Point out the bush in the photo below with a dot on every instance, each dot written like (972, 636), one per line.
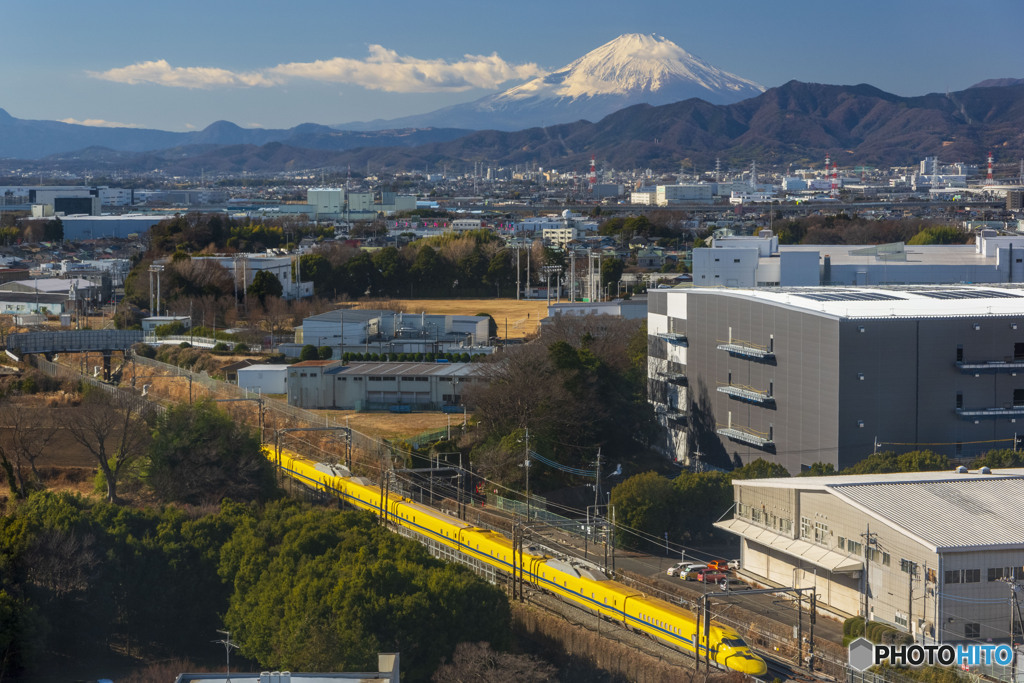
(220, 347)
(144, 350)
(170, 329)
(309, 352)
(241, 347)
(325, 352)
(184, 345)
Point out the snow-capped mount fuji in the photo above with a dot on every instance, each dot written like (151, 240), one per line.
(631, 69)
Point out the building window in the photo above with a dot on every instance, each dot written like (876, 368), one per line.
(805, 528)
(1018, 398)
(996, 573)
(959, 399)
(755, 515)
(952, 576)
(959, 353)
(972, 630)
(854, 547)
(820, 532)
(841, 544)
(886, 559)
(972, 576)
(901, 619)
(786, 526)
(908, 567)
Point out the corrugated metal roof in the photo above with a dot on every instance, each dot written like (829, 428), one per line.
(412, 369)
(966, 513)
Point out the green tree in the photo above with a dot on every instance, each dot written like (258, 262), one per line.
(317, 269)
(309, 352)
(939, 234)
(264, 284)
(819, 469)
(53, 230)
(647, 502)
(760, 469)
(287, 610)
(888, 461)
(1000, 457)
(611, 271)
(199, 454)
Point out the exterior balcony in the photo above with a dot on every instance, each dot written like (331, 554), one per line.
(747, 350)
(1013, 365)
(752, 438)
(740, 393)
(673, 338)
(990, 413)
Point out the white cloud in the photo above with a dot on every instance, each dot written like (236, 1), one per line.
(100, 123)
(383, 69)
(159, 72)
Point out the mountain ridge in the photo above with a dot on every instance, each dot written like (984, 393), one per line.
(794, 123)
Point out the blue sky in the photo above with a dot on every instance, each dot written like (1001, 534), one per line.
(186, 64)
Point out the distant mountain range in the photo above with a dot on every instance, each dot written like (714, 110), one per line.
(631, 69)
(28, 139)
(794, 123)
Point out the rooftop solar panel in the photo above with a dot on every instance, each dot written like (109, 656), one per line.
(847, 295)
(966, 294)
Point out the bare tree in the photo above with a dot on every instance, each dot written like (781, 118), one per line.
(26, 439)
(113, 429)
(478, 662)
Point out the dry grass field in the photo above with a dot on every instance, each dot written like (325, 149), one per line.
(522, 317)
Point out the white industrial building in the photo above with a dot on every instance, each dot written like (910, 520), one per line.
(930, 553)
(666, 195)
(264, 378)
(759, 261)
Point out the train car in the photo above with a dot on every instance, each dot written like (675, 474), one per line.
(585, 586)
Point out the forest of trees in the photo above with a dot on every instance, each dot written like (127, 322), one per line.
(300, 588)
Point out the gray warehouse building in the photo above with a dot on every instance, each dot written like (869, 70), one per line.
(931, 553)
(827, 374)
(380, 386)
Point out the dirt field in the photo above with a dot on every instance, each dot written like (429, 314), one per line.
(522, 317)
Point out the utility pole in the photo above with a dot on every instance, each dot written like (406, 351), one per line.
(526, 464)
(228, 647)
(869, 540)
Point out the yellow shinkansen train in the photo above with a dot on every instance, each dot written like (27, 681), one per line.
(590, 589)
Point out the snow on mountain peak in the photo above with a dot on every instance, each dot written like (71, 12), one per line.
(633, 65)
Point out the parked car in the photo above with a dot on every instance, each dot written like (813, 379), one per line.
(719, 565)
(734, 585)
(710, 576)
(675, 569)
(690, 572)
(734, 565)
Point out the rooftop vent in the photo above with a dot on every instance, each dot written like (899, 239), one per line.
(985, 470)
(961, 470)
